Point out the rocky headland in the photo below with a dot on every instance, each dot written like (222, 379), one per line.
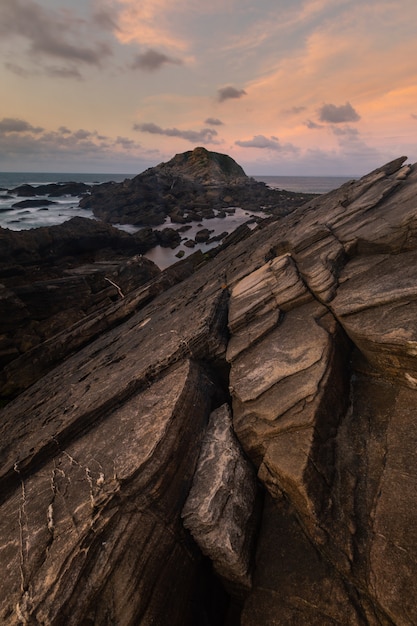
(192, 186)
(232, 441)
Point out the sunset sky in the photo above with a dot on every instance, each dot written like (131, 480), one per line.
(300, 87)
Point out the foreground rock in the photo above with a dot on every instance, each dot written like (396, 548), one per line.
(52, 278)
(306, 331)
(220, 509)
(192, 186)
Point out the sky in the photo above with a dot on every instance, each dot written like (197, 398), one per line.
(300, 87)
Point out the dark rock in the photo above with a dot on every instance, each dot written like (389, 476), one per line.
(191, 186)
(52, 189)
(55, 277)
(24, 204)
(218, 237)
(168, 237)
(78, 238)
(203, 235)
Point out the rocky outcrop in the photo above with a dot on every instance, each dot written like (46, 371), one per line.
(301, 337)
(192, 186)
(54, 190)
(52, 278)
(23, 204)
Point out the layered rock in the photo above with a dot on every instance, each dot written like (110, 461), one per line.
(105, 515)
(220, 510)
(52, 278)
(306, 329)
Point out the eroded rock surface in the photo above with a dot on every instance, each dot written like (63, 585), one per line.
(220, 511)
(306, 328)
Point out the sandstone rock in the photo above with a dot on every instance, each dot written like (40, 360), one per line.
(73, 548)
(220, 508)
(293, 583)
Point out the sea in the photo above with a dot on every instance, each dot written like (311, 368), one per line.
(66, 207)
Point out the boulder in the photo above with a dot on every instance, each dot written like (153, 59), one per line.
(203, 235)
(220, 510)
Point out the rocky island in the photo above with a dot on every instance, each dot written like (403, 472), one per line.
(230, 441)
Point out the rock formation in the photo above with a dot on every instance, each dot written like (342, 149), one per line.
(128, 498)
(194, 185)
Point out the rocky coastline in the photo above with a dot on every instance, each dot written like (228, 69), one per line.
(229, 441)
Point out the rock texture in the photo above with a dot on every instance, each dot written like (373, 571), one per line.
(219, 511)
(306, 329)
(52, 278)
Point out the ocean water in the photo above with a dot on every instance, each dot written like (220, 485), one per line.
(65, 207)
(304, 184)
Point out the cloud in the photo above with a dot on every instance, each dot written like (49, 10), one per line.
(414, 116)
(149, 21)
(63, 72)
(338, 114)
(213, 121)
(106, 18)
(265, 143)
(206, 135)
(227, 93)
(23, 143)
(313, 125)
(82, 134)
(294, 110)
(347, 131)
(152, 60)
(126, 143)
(17, 69)
(56, 34)
(16, 125)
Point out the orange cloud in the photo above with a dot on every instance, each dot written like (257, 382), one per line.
(147, 23)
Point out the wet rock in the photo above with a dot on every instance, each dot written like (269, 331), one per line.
(25, 204)
(52, 189)
(168, 237)
(203, 235)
